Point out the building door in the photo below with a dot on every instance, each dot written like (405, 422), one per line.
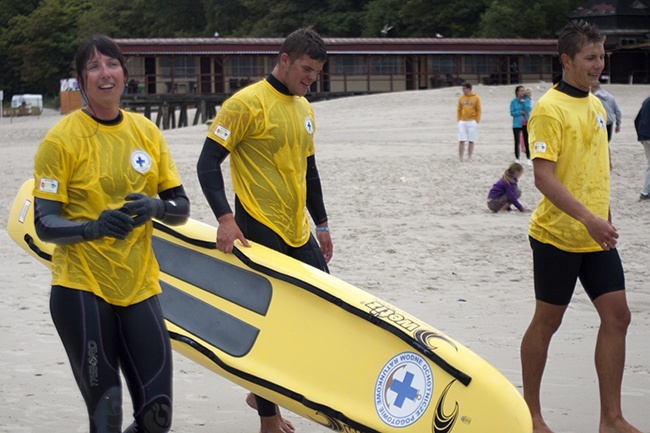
(150, 75)
(411, 73)
(205, 88)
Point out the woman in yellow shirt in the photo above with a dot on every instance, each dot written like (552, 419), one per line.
(98, 175)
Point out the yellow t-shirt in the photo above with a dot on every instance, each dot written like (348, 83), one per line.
(571, 132)
(90, 167)
(269, 136)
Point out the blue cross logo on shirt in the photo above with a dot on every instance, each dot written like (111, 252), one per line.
(140, 161)
(309, 125)
(404, 389)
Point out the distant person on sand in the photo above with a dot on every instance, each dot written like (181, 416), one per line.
(468, 116)
(570, 231)
(505, 192)
(529, 94)
(614, 116)
(642, 126)
(520, 108)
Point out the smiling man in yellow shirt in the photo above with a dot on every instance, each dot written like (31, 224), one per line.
(570, 232)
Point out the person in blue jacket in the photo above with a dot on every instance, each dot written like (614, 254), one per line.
(520, 108)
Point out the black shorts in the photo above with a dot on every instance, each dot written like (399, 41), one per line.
(255, 231)
(556, 272)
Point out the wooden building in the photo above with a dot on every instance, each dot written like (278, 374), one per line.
(220, 66)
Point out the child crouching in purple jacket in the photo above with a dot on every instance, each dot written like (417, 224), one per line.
(505, 192)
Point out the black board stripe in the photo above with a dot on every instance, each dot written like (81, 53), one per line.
(223, 331)
(238, 285)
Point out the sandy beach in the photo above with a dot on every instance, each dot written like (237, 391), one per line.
(409, 224)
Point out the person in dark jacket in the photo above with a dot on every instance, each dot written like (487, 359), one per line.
(642, 125)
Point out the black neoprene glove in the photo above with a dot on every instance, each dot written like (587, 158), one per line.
(142, 208)
(111, 223)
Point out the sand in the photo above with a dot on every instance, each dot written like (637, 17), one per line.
(409, 225)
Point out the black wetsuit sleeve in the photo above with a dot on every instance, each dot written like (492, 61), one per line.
(52, 227)
(177, 206)
(315, 202)
(208, 169)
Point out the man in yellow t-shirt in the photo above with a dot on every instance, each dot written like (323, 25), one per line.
(267, 129)
(570, 232)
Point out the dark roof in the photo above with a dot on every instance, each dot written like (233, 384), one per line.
(271, 46)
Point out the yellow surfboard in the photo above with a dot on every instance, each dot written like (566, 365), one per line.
(310, 342)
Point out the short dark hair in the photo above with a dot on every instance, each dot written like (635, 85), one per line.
(467, 85)
(304, 41)
(575, 35)
(102, 44)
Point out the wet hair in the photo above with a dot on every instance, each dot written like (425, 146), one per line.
(101, 44)
(302, 42)
(575, 35)
(517, 90)
(509, 174)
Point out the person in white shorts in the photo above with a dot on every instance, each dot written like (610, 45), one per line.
(468, 116)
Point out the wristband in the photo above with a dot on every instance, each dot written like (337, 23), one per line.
(322, 229)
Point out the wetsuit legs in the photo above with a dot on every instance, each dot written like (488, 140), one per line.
(100, 339)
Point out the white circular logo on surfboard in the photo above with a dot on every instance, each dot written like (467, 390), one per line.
(403, 390)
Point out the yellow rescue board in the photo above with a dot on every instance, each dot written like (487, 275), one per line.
(311, 342)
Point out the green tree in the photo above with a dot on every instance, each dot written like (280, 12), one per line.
(223, 17)
(278, 18)
(381, 19)
(12, 8)
(42, 45)
(337, 18)
(12, 13)
(525, 19)
(426, 18)
(138, 19)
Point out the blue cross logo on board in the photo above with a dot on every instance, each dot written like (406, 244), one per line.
(403, 389)
(140, 161)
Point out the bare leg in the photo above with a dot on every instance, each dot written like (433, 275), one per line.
(470, 150)
(534, 352)
(271, 424)
(610, 360)
(461, 150)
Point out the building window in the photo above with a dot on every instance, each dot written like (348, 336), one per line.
(183, 67)
(477, 64)
(349, 65)
(387, 65)
(536, 64)
(442, 64)
(244, 66)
